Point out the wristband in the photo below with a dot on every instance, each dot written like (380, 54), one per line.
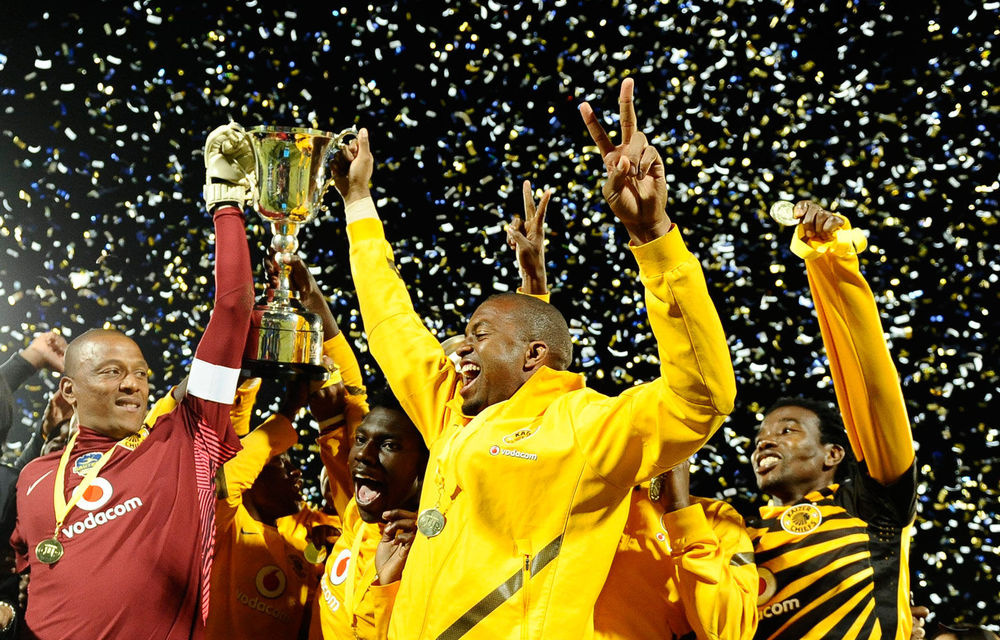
(337, 419)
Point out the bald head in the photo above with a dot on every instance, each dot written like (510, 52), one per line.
(539, 320)
(83, 344)
(106, 381)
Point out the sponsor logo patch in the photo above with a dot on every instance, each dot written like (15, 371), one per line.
(766, 586)
(96, 518)
(517, 436)
(85, 463)
(263, 607)
(96, 495)
(802, 518)
(338, 570)
(270, 581)
(512, 453)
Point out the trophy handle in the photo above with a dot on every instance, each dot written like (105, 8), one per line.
(251, 178)
(338, 140)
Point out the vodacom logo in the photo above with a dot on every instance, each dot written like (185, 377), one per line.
(270, 581)
(94, 499)
(96, 495)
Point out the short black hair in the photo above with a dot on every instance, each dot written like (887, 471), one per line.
(540, 320)
(382, 397)
(831, 428)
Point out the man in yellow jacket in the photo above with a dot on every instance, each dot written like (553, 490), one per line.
(526, 489)
(386, 460)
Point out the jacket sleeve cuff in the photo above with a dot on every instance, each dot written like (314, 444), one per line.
(360, 210)
(661, 255)
(339, 350)
(544, 297)
(686, 526)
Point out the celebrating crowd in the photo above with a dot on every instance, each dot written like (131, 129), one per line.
(486, 491)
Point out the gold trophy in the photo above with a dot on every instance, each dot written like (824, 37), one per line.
(292, 175)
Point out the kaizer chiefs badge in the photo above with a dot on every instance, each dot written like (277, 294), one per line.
(802, 518)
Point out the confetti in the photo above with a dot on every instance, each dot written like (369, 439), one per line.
(105, 112)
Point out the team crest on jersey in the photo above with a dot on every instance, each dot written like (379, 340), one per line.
(85, 463)
(520, 434)
(338, 570)
(767, 585)
(271, 581)
(96, 495)
(135, 439)
(802, 518)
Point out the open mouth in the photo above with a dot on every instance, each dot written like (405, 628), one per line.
(766, 462)
(470, 373)
(367, 491)
(128, 404)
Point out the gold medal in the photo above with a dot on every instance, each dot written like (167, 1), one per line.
(655, 488)
(430, 522)
(783, 212)
(49, 551)
(313, 554)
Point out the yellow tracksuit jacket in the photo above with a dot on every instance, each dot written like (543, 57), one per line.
(349, 603)
(535, 489)
(686, 572)
(261, 584)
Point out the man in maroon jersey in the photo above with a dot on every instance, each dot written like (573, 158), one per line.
(128, 554)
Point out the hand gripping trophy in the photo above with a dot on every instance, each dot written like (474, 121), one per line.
(285, 173)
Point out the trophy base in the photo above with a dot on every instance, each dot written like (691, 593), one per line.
(284, 371)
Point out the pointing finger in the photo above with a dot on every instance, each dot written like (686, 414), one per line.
(597, 132)
(529, 200)
(627, 110)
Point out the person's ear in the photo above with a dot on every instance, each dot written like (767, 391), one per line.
(834, 455)
(535, 355)
(66, 388)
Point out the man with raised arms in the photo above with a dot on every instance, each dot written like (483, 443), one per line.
(832, 546)
(525, 494)
(117, 529)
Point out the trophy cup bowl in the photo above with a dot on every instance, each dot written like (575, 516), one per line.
(291, 177)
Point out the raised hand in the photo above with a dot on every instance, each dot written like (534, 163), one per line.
(636, 186)
(229, 161)
(817, 222)
(352, 169)
(46, 351)
(394, 547)
(527, 238)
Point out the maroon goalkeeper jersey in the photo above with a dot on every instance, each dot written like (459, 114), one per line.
(132, 566)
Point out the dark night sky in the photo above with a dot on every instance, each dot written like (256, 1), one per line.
(886, 112)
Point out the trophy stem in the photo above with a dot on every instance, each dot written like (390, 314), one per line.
(284, 243)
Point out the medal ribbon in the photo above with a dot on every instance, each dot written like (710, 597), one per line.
(62, 508)
(366, 578)
(443, 457)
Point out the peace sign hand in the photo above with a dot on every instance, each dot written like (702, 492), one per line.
(636, 186)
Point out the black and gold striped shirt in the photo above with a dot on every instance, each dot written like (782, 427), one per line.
(835, 564)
